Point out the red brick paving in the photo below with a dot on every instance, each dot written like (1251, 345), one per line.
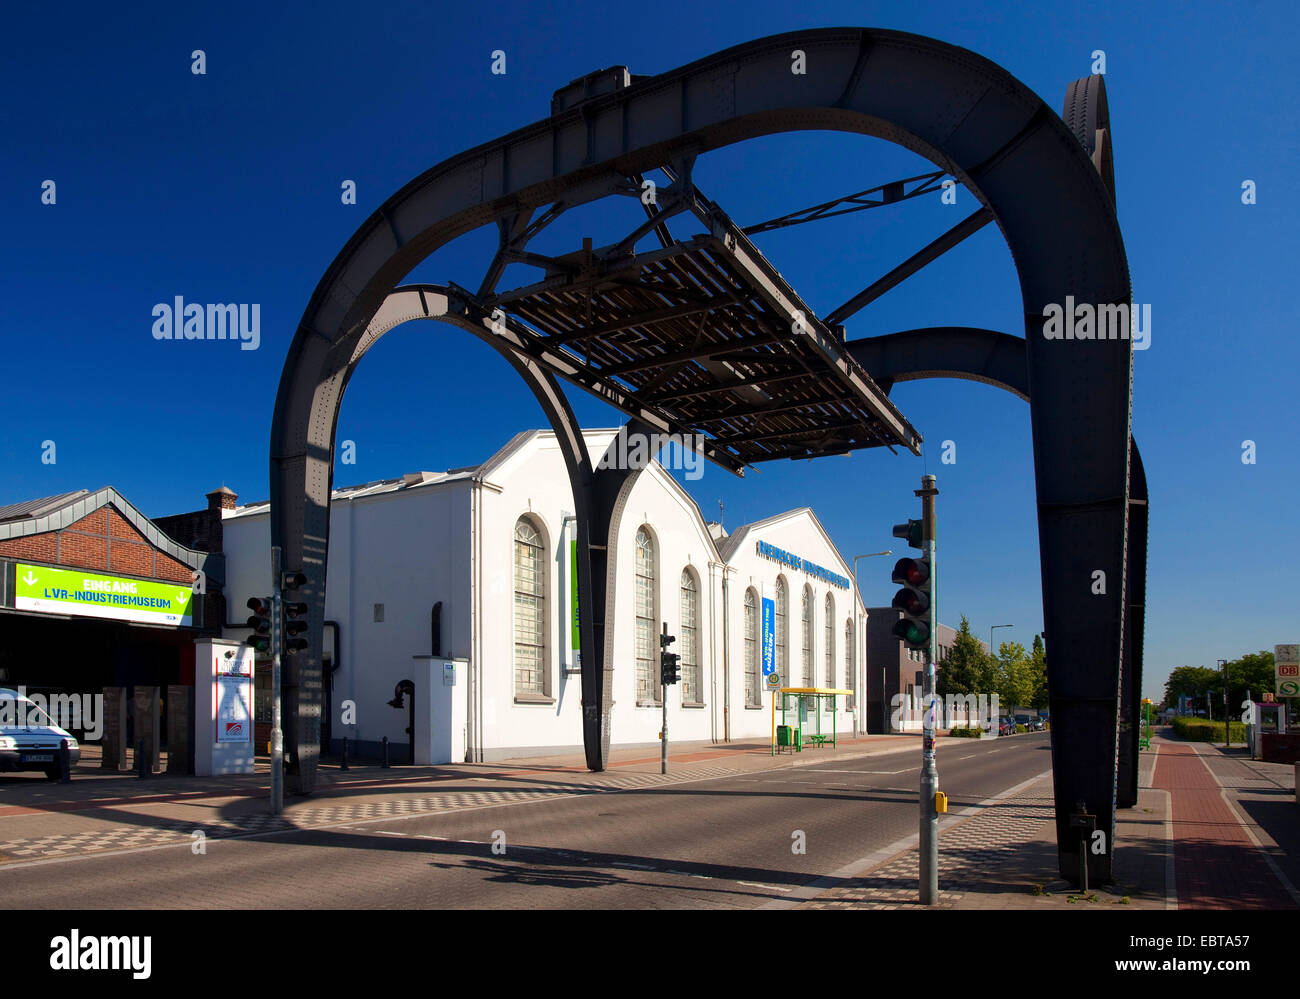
(1215, 863)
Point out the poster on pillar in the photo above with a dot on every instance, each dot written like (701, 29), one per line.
(573, 655)
(223, 706)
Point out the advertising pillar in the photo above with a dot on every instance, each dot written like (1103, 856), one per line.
(223, 707)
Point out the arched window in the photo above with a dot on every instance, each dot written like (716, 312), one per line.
(689, 640)
(830, 649)
(850, 664)
(782, 641)
(531, 674)
(647, 640)
(753, 668)
(809, 667)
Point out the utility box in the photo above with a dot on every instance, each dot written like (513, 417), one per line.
(441, 710)
(223, 707)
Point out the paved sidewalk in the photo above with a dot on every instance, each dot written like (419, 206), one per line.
(1221, 862)
(1189, 843)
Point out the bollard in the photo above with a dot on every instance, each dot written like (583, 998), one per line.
(344, 764)
(1080, 819)
(142, 767)
(385, 764)
(65, 763)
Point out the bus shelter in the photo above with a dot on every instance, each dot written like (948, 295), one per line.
(792, 736)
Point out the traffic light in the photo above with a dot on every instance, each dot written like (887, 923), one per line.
(295, 612)
(669, 668)
(911, 533)
(913, 600)
(260, 622)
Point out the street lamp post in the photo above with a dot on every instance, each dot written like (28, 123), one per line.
(1227, 722)
(859, 715)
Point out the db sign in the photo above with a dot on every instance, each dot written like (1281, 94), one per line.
(1286, 660)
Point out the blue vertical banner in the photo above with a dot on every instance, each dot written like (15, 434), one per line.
(769, 637)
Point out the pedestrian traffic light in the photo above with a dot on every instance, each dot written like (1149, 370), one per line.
(295, 612)
(669, 668)
(911, 533)
(913, 600)
(260, 623)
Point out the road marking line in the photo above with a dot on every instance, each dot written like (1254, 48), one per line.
(635, 867)
(817, 886)
(753, 884)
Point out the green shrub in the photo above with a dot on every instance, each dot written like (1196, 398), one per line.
(1203, 730)
(966, 733)
(1021, 728)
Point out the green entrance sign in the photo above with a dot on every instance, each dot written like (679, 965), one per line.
(87, 594)
(575, 640)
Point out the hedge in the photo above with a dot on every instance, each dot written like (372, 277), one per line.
(1203, 730)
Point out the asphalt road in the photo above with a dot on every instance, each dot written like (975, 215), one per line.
(726, 842)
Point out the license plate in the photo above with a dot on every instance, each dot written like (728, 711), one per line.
(38, 757)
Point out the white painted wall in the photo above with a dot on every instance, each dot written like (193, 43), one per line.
(453, 541)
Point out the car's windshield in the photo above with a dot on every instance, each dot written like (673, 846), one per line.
(22, 713)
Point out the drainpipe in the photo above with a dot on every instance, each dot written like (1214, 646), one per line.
(713, 661)
(471, 679)
(726, 657)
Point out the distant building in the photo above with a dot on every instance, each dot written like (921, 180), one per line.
(893, 668)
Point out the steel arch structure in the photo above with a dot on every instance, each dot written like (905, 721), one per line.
(965, 114)
(999, 360)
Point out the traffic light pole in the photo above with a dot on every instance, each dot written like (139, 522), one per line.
(277, 736)
(929, 770)
(663, 701)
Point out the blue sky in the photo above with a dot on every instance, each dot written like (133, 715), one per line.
(225, 187)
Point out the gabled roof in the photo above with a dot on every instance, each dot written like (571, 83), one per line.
(732, 544)
(742, 534)
(57, 512)
(37, 507)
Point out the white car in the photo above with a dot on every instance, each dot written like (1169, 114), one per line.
(29, 739)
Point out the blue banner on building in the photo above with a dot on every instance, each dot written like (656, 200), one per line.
(769, 636)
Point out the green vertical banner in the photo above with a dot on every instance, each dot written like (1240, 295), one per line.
(575, 640)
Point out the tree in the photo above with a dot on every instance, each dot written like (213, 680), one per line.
(1190, 681)
(965, 669)
(1038, 673)
(1014, 676)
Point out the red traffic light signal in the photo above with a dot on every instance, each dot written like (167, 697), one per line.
(260, 623)
(911, 572)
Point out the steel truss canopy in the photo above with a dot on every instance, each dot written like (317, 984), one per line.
(702, 334)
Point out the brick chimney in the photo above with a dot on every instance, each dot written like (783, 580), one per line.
(222, 499)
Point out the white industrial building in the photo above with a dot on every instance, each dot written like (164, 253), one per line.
(491, 545)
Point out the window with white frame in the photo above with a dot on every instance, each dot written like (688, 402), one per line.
(647, 639)
(530, 610)
(850, 664)
(689, 640)
(806, 657)
(830, 649)
(753, 669)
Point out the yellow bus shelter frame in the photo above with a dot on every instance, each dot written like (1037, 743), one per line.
(801, 692)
